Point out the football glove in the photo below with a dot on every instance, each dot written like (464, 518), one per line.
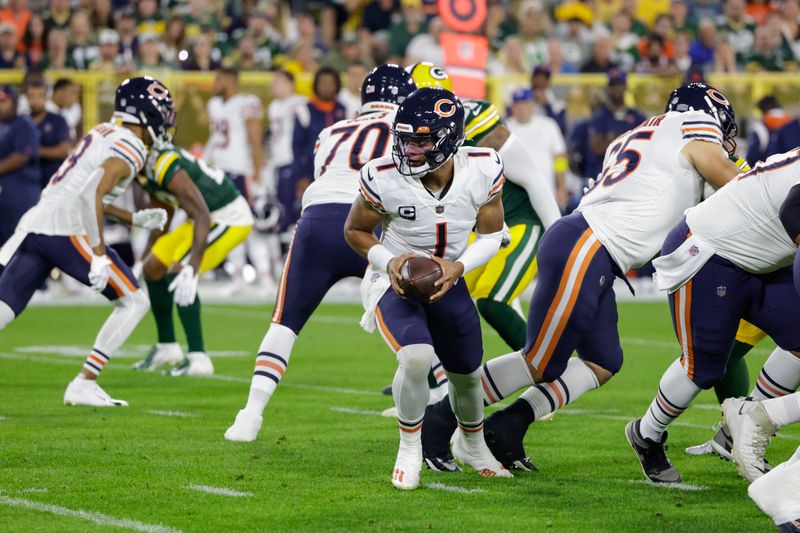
(154, 218)
(99, 272)
(184, 286)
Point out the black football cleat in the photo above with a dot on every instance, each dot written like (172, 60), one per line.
(443, 463)
(438, 426)
(790, 527)
(652, 455)
(387, 390)
(504, 435)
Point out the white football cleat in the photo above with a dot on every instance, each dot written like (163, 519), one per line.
(82, 391)
(473, 451)
(751, 429)
(408, 466)
(777, 493)
(245, 428)
(162, 354)
(195, 364)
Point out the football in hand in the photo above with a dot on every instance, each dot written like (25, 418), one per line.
(417, 275)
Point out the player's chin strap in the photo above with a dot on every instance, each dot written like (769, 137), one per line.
(481, 251)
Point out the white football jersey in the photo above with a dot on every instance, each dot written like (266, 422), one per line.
(646, 185)
(227, 146)
(741, 220)
(342, 149)
(418, 221)
(281, 115)
(65, 200)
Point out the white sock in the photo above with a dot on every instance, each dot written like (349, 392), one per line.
(504, 375)
(779, 376)
(410, 389)
(271, 363)
(783, 410)
(466, 400)
(128, 312)
(576, 380)
(675, 392)
(6, 315)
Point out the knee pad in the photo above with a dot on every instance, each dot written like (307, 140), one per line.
(6, 314)
(137, 302)
(416, 358)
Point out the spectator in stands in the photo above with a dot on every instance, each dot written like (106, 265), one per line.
(702, 49)
(682, 59)
(10, 57)
(246, 56)
(546, 99)
(108, 59)
(510, 59)
(34, 42)
(544, 140)
(149, 18)
(150, 53)
(655, 60)
(125, 24)
(574, 31)
(54, 140)
(625, 51)
(200, 16)
(769, 53)
(322, 111)
(302, 59)
(309, 32)
(663, 29)
(19, 163)
(612, 119)
(764, 131)
(58, 15)
(201, 57)
(56, 56)
(425, 46)
(601, 57)
(17, 14)
(555, 58)
(630, 8)
(102, 15)
(348, 52)
(267, 37)
(789, 11)
(174, 40)
(350, 95)
(534, 29)
(681, 20)
(411, 23)
(725, 57)
(738, 28)
(378, 15)
(82, 51)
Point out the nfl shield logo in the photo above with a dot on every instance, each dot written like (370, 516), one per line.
(375, 277)
(722, 291)
(439, 209)
(693, 251)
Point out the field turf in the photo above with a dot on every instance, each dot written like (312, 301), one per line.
(323, 458)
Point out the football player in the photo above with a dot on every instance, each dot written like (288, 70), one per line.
(319, 256)
(65, 229)
(428, 195)
(220, 220)
(651, 175)
(729, 259)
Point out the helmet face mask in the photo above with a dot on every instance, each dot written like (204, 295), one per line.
(428, 130)
(705, 98)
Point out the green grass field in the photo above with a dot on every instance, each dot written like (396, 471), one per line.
(324, 457)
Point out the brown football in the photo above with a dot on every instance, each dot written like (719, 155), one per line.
(417, 275)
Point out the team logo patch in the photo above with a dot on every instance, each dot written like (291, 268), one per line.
(717, 96)
(722, 291)
(445, 108)
(408, 212)
(694, 250)
(157, 91)
(437, 73)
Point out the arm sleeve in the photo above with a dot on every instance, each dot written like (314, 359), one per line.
(523, 170)
(790, 212)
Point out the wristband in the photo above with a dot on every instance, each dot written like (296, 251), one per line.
(379, 257)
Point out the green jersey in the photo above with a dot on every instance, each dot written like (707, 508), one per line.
(481, 118)
(216, 188)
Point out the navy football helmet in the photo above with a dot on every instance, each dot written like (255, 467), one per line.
(433, 114)
(146, 101)
(705, 98)
(386, 84)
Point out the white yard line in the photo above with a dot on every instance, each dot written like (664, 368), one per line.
(220, 491)
(671, 486)
(179, 414)
(34, 490)
(97, 518)
(452, 488)
(352, 411)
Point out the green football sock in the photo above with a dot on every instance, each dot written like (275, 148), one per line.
(161, 304)
(190, 319)
(736, 381)
(505, 321)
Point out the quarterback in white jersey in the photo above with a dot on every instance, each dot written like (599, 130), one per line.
(729, 260)
(65, 229)
(235, 142)
(319, 256)
(428, 195)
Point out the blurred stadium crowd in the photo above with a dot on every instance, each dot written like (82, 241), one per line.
(336, 42)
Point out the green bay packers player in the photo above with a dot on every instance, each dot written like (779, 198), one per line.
(219, 220)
